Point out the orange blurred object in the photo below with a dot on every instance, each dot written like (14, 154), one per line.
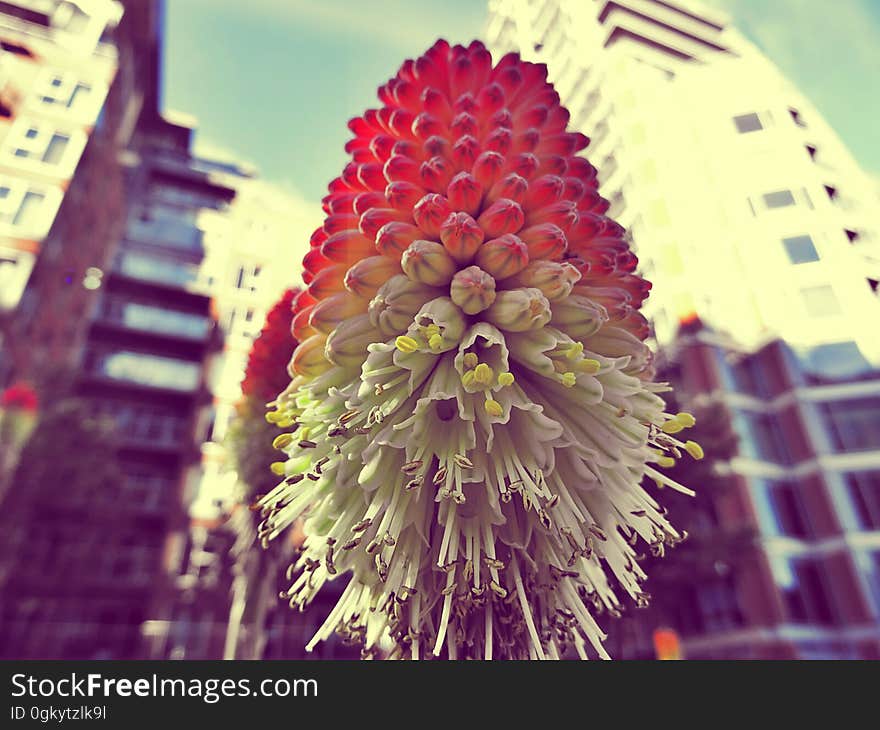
(667, 645)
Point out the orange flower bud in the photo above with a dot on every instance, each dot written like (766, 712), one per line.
(502, 257)
(472, 289)
(428, 262)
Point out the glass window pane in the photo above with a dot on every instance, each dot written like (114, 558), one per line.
(55, 149)
(800, 249)
(820, 301)
(747, 123)
(28, 213)
(779, 199)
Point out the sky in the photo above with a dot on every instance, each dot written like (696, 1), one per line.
(274, 82)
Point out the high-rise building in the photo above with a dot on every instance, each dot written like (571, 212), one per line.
(116, 302)
(738, 195)
(745, 209)
(252, 254)
(57, 66)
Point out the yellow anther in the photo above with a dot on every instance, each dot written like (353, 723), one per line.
(666, 461)
(483, 374)
(588, 366)
(505, 379)
(282, 440)
(285, 422)
(435, 341)
(467, 380)
(304, 433)
(493, 408)
(277, 468)
(406, 344)
(686, 419)
(568, 379)
(430, 330)
(575, 350)
(470, 360)
(694, 449)
(672, 426)
(274, 416)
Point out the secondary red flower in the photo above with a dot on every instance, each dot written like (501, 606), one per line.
(266, 372)
(19, 396)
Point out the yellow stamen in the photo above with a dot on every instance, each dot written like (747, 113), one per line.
(575, 351)
(285, 422)
(671, 426)
(568, 379)
(435, 341)
(406, 344)
(666, 461)
(471, 360)
(277, 468)
(430, 330)
(493, 408)
(274, 416)
(686, 419)
(483, 374)
(588, 366)
(694, 449)
(282, 440)
(505, 379)
(467, 380)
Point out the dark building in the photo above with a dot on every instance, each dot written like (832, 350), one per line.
(114, 314)
(784, 560)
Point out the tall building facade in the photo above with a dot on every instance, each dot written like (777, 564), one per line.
(116, 308)
(58, 63)
(745, 209)
(252, 254)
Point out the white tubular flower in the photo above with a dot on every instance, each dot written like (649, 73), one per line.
(471, 416)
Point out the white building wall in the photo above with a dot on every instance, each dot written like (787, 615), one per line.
(54, 78)
(253, 252)
(659, 106)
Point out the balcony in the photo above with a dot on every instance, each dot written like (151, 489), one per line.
(119, 312)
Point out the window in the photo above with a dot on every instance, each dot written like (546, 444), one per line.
(853, 425)
(835, 360)
(709, 606)
(40, 144)
(800, 249)
(760, 437)
(778, 199)
(63, 91)
(143, 369)
(863, 488)
(154, 319)
(788, 510)
(820, 301)
(805, 592)
(747, 123)
(247, 277)
(159, 270)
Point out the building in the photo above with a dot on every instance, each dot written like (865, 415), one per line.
(747, 210)
(252, 255)
(115, 313)
(58, 71)
(714, 162)
(226, 603)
